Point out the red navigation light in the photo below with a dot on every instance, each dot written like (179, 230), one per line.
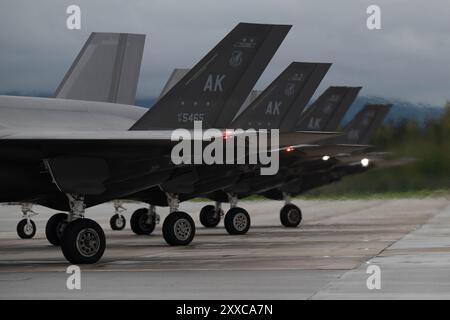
(289, 149)
(227, 133)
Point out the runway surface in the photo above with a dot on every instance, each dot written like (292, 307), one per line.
(326, 258)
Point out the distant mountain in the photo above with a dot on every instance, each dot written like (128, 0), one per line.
(145, 102)
(400, 109)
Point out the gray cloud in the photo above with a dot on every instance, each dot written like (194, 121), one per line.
(408, 59)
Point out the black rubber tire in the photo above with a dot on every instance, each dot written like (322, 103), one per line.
(290, 216)
(115, 223)
(233, 226)
(178, 229)
(208, 216)
(83, 241)
(54, 228)
(139, 222)
(22, 230)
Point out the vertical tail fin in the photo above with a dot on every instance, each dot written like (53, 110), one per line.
(215, 88)
(327, 111)
(290, 89)
(362, 127)
(311, 82)
(106, 69)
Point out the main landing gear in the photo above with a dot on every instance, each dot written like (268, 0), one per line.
(237, 220)
(26, 228)
(143, 220)
(82, 240)
(210, 215)
(290, 214)
(118, 221)
(178, 227)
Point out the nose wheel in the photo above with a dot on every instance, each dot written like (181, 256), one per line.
(26, 229)
(117, 222)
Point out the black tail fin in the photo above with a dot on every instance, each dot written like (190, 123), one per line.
(361, 128)
(106, 69)
(286, 91)
(326, 113)
(310, 83)
(215, 88)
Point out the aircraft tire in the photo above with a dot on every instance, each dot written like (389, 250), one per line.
(117, 222)
(209, 218)
(26, 230)
(290, 216)
(140, 223)
(178, 229)
(237, 221)
(83, 241)
(55, 227)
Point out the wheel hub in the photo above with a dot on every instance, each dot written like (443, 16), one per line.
(88, 242)
(182, 229)
(293, 216)
(145, 222)
(28, 229)
(119, 221)
(240, 221)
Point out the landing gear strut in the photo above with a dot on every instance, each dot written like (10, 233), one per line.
(290, 214)
(118, 221)
(26, 228)
(178, 227)
(237, 220)
(83, 240)
(143, 220)
(210, 215)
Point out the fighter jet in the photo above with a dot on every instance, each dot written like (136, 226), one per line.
(65, 168)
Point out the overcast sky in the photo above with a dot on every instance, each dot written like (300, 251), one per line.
(408, 59)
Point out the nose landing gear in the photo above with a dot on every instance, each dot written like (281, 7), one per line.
(118, 220)
(26, 228)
